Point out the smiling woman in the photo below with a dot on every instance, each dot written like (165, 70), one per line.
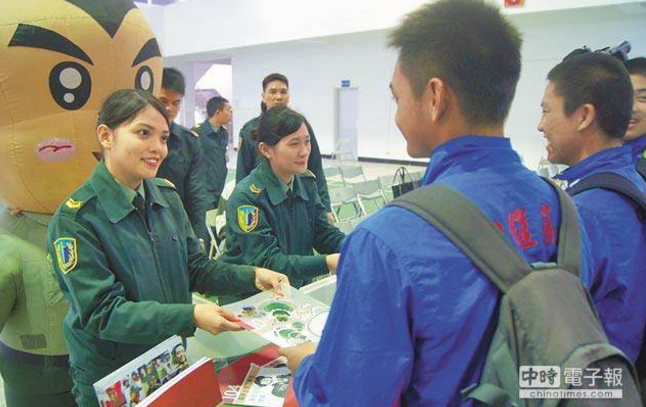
(127, 256)
(275, 216)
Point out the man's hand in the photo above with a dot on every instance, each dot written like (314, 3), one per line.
(330, 218)
(214, 319)
(295, 354)
(270, 280)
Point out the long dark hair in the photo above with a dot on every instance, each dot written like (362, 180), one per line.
(123, 105)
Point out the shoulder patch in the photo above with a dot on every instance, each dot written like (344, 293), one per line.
(248, 217)
(253, 188)
(66, 253)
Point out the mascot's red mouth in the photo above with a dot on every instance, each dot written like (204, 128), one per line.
(55, 149)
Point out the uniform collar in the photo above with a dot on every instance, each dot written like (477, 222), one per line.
(213, 127)
(614, 159)
(114, 199)
(638, 146)
(469, 153)
(276, 188)
(175, 129)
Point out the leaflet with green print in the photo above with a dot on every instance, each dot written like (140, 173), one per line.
(286, 321)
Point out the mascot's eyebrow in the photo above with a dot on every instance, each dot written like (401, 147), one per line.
(37, 37)
(108, 13)
(149, 50)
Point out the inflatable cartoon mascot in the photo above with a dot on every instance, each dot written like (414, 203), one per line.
(59, 59)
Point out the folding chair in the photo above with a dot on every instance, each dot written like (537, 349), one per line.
(350, 174)
(211, 227)
(333, 177)
(342, 198)
(370, 191)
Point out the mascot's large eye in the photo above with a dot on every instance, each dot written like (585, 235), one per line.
(70, 85)
(144, 79)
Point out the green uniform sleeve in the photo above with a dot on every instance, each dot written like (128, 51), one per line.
(10, 270)
(315, 164)
(215, 277)
(197, 197)
(327, 238)
(98, 298)
(260, 247)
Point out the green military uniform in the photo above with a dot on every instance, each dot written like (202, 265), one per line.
(270, 225)
(184, 167)
(248, 158)
(33, 355)
(129, 284)
(214, 148)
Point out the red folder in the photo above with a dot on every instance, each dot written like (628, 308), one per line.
(196, 386)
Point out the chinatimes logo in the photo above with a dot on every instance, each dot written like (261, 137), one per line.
(552, 382)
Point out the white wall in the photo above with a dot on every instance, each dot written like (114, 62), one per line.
(315, 67)
(199, 26)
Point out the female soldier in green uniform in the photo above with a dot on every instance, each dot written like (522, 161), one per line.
(275, 216)
(126, 255)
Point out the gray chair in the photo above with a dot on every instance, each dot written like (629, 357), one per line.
(370, 191)
(352, 175)
(344, 197)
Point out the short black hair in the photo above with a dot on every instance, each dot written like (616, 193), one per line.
(123, 105)
(214, 104)
(277, 123)
(173, 81)
(636, 66)
(274, 77)
(600, 80)
(471, 46)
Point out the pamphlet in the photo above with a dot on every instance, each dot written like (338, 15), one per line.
(287, 321)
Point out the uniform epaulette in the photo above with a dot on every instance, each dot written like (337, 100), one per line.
(163, 182)
(76, 201)
(256, 190)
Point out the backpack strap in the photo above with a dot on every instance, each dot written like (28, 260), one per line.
(470, 230)
(569, 246)
(641, 167)
(613, 182)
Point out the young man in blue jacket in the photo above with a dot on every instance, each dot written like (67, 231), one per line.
(413, 318)
(636, 134)
(586, 110)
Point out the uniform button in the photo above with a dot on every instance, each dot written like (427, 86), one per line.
(175, 237)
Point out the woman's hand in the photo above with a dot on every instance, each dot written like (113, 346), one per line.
(332, 261)
(270, 280)
(214, 319)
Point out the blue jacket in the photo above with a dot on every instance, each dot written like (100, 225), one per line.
(613, 221)
(638, 147)
(412, 314)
